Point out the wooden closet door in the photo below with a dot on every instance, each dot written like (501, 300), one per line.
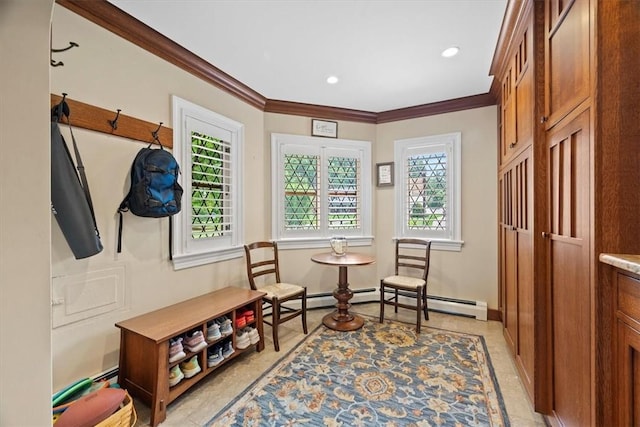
(525, 350)
(508, 260)
(570, 290)
(516, 257)
(567, 57)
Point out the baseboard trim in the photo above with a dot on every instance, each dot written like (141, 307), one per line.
(473, 309)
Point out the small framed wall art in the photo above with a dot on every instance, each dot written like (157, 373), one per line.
(384, 174)
(325, 128)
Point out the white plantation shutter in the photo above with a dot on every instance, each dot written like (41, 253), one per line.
(344, 189)
(428, 194)
(320, 188)
(211, 198)
(210, 147)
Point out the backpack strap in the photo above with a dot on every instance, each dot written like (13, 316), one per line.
(120, 232)
(170, 239)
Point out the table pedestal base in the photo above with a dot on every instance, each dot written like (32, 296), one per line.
(340, 323)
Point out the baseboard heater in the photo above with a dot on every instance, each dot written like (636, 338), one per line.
(110, 375)
(460, 307)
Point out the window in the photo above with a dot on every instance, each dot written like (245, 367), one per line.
(428, 189)
(209, 149)
(321, 188)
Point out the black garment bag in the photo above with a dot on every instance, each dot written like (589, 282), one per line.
(70, 198)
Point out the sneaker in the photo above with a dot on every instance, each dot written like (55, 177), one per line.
(248, 315)
(223, 320)
(195, 342)
(175, 376)
(219, 349)
(213, 331)
(228, 349)
(254, 336)
(214, 356)
(225, 325)
(241, 321)
(176, 352)
(190, 367)
(242, 339)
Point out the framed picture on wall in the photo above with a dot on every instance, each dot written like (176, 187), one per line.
(384, 174)
(325, 128)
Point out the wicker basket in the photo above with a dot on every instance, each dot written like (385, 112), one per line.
(124, 417)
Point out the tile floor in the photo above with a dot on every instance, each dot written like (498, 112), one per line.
(204, 400)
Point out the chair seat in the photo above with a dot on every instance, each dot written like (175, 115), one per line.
(405, 282)
(281, 290)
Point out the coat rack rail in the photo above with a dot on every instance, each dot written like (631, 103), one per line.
(99, 119)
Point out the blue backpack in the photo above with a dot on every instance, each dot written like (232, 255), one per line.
(154, 190)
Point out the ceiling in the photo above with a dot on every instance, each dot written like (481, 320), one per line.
(386, 53)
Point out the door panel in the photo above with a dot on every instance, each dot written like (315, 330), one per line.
(524, 272)
(516, 243)
(509, 254)
(628, 375)
(567, 57)
(569, 266)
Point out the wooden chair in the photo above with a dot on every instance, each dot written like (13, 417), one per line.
(262, 260)
(414, 285)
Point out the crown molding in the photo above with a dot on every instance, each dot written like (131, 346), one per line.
(449, 106)
(319, 111)
(111, 18)
(512, 23)
(108, 16)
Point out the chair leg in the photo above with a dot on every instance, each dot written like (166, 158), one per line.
(381, 302)
(395, 300)
(424, 301)
(304, 312)
(275, 314)
(418, 309)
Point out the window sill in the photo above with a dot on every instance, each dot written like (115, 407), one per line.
(323, 242)
(183, 261)
(447, 245)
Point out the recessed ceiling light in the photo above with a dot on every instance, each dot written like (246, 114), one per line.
(452, 51)
(332, 80)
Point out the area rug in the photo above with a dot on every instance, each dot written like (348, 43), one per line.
(381, 375)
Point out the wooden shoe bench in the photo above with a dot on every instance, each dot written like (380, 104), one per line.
(144, 344)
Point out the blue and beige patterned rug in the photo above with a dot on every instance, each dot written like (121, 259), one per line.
(381, 375)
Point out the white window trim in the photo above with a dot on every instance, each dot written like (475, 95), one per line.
(453, 143)
(185, 255)
(363, 237)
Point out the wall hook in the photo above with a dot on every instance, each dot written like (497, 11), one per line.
(61, 109)
(155, 132)
(60, 63)
(114, 122)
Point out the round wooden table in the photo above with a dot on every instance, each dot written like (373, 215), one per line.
(342, 320)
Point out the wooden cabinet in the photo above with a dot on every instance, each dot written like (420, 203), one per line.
(567, 57)
(570, 287)
(627, 375)
(517, 103)
(584, 93)
(144, 344)
(517, 178)
(516, 250)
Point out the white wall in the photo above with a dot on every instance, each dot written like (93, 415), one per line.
(111, 73)
(25, 327)
(471, 274)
